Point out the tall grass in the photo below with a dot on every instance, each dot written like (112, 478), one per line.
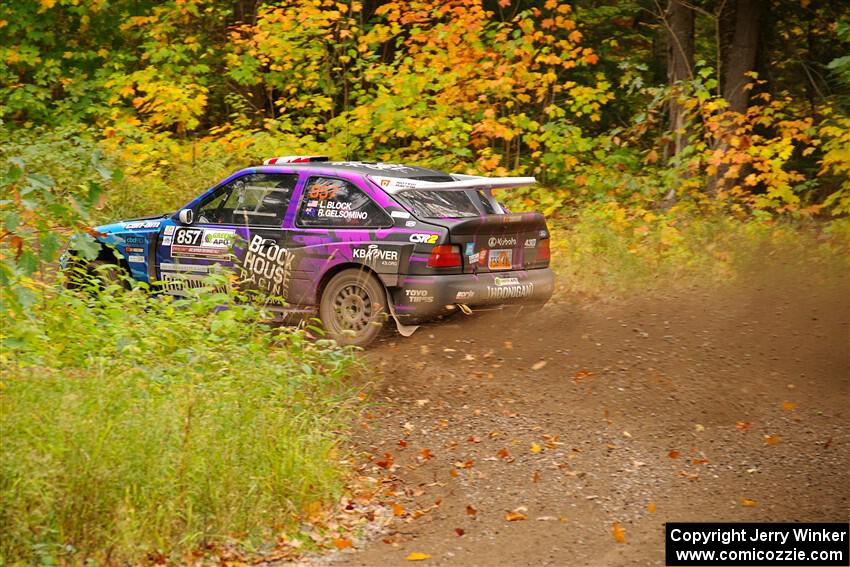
(133, 424)
(609, 250)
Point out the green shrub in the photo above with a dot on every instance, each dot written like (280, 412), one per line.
(135, 424)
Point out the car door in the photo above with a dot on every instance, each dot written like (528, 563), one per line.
(335, 222)
(237, 229)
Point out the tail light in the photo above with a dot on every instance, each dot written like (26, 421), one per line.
(445, 256)
(543, 252)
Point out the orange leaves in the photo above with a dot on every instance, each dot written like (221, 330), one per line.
(471, 511)
(417, 556)
(582, 375)
(771, 439)
(386, 462)
(742, 425)
(618, 532)
(464, 464)
(398, 510)
(517, 515)
(651, 507)
(674, 454)
(789, 406)
(343, 543)
(748, 503)
(426, 454)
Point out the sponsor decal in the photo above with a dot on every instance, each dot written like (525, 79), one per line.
(373, 255)
(142, 224)
(502, 241)
(134, 250)
(136, 240)
(410, 223)
(418, 296)
(202, 242)
(400, 214)
(166, 241)
(464, 295)
(424, 238)
(219, 238)
(177, 283)
(470, 248)
(385, 182)
(473, 258)
(500, 259)
(530, 242)
(268, 268)
(506, 281)
(169, 230)
(515, 291)
(136, 259)
(171, 267)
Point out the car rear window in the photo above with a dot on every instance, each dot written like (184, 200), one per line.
(439, 204)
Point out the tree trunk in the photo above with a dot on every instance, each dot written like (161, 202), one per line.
(740, 25)
(680, 62)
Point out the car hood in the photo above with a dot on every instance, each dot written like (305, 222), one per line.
(111, 233)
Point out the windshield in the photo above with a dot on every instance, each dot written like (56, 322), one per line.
(439, 204)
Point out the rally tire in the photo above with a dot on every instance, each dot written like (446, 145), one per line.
(353, 308)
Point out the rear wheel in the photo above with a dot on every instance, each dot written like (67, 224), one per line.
(353, 307)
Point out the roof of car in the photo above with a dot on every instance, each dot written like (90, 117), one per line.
(375, 168)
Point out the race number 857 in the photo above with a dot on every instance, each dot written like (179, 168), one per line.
(188, 236)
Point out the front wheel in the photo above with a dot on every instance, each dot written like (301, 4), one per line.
(353, 308)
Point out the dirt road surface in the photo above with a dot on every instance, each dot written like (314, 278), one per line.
(598, 422)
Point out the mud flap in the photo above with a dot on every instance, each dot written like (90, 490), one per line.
(403, 330)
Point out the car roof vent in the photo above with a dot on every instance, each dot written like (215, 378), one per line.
(294, 159)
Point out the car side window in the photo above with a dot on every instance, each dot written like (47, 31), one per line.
(329, 202)
(258, 199)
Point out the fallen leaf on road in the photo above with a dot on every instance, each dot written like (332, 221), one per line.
(748, 503)
(618, 532)
(700, 461)
(535, 477)
(473, 439)
(398, 510)
(402, 443)
(471, 511)
(503, 454)
(789, 406)
(582, 374)
(464, 465)
(509, 345)
(343, 543)
(546, 518)
(459, 532)
(417, 556)
(515, 516)
(535, 448)
(771, 439)
(650, 507)
(386, 462)
(742, 425)
(421, 403)
(426, 454)
(538, 365)
(673, 454)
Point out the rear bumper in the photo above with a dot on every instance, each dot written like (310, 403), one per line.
(424, 297)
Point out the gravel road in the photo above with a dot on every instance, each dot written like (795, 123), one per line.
(592, 424)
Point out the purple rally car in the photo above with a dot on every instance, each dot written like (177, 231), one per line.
(356, 242)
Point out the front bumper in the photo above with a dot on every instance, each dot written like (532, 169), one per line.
(424, 297)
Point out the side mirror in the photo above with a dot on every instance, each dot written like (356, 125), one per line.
(186, 216)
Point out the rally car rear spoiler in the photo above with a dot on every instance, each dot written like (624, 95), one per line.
(395, 185)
